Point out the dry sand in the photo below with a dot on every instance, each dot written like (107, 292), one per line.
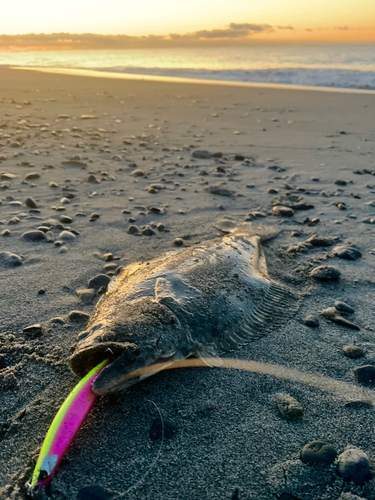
(228, 431)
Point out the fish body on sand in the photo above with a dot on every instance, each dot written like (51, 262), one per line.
(209, 298)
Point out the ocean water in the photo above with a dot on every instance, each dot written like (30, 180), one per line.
(344, 66)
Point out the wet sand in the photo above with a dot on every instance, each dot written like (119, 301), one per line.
(123, 149)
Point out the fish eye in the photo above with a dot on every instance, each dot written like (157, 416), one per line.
(43, 475)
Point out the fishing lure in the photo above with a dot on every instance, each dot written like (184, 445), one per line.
(65, 427)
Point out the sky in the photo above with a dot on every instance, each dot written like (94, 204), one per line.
(197, 20)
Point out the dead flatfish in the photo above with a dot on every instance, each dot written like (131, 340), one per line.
(212, 297)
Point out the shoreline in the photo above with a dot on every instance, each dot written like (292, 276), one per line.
(175, 79)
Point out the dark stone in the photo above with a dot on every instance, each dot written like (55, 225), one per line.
(347, 252)
(353, 352)
(34, 236)
(65, 219)
(178, 242)
(201, 154)
(339, 182)
(342, 307)
(281, 211)
(31, 203)
(147, 231)
(294, 201)
(2, 361)
(99, 281)
(318, 452)
(217, 155)
(8, 259)
(353, 465)
(93, 493)
(365, 374)
(108, 257)
(319, 241)
(272, 191)
(156, 431)
(41, 292)
(160, 227)
(79, 316)
(312, 322)
(133, 230)
(344, 322)
(219, 191)
(33, 331)
(325, 273)
(289, 408)
(359, 404)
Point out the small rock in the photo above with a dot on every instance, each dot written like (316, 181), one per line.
(99, 281)
(67, 235)
(78, 316)
(31, 203)
(201, 154)
(138, 173)
(353, 465)
(312, 321)
(41, 292)
(147, 231)
(93, 179)
(160, 227)
(219, 191)
(339, 182)
(281, 211)
(156, 431)
(325, 273)
(33, 331)
(342, 307)
(65, 219)
(344, 322)
(34, 236)
(319, 241)
(318, 452)
(50, 237)
(347, 252)
(132, 230)
(329, 312)
(111, 266)
(31, 176)
(86, 296)
(289, 407)
(178, 242)
(8, 260)
(53, 185)
(365, 374)
(353, 352)
(5, 232)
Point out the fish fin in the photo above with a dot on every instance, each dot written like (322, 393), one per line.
(209, 355)
(247, 229)
(277, 306)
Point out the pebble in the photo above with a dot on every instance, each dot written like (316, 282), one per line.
(93, 179)
(178, 242)
(50, 237)
(319, 241)
(111, 266)
(65, 219)
(156, 431)
(201, 154)
(31, 176)
(281, 211)
(98, 281)
(365, 374)
(5, 232)
(347, 252)
(108, 257)
(353, 465)
(41, 291)
(353, 352)
(86, 295)
(339, 182)
(33, 331)
(34, 236)
(325, 273)
(289, 408)
(344, 322)
(78, 316)
(63, 249)
(53, 185)
(342, 307)
(138, 173)
(147, 231)
(312, 321)
(8, 259)
(67, 235)
(329, 312)
(318, 452)
(31, 203)
(219, 191)
(94, 216)
(160, 227)
(133, 230)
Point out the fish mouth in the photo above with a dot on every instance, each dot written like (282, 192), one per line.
(124, 359)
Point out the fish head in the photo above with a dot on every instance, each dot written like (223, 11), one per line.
(142, 333)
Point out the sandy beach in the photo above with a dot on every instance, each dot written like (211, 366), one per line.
(93, 157)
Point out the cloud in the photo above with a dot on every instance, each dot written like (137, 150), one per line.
(233, 33)
(343, 28)
(285, 27)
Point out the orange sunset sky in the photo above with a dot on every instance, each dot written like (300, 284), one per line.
(181, 23)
